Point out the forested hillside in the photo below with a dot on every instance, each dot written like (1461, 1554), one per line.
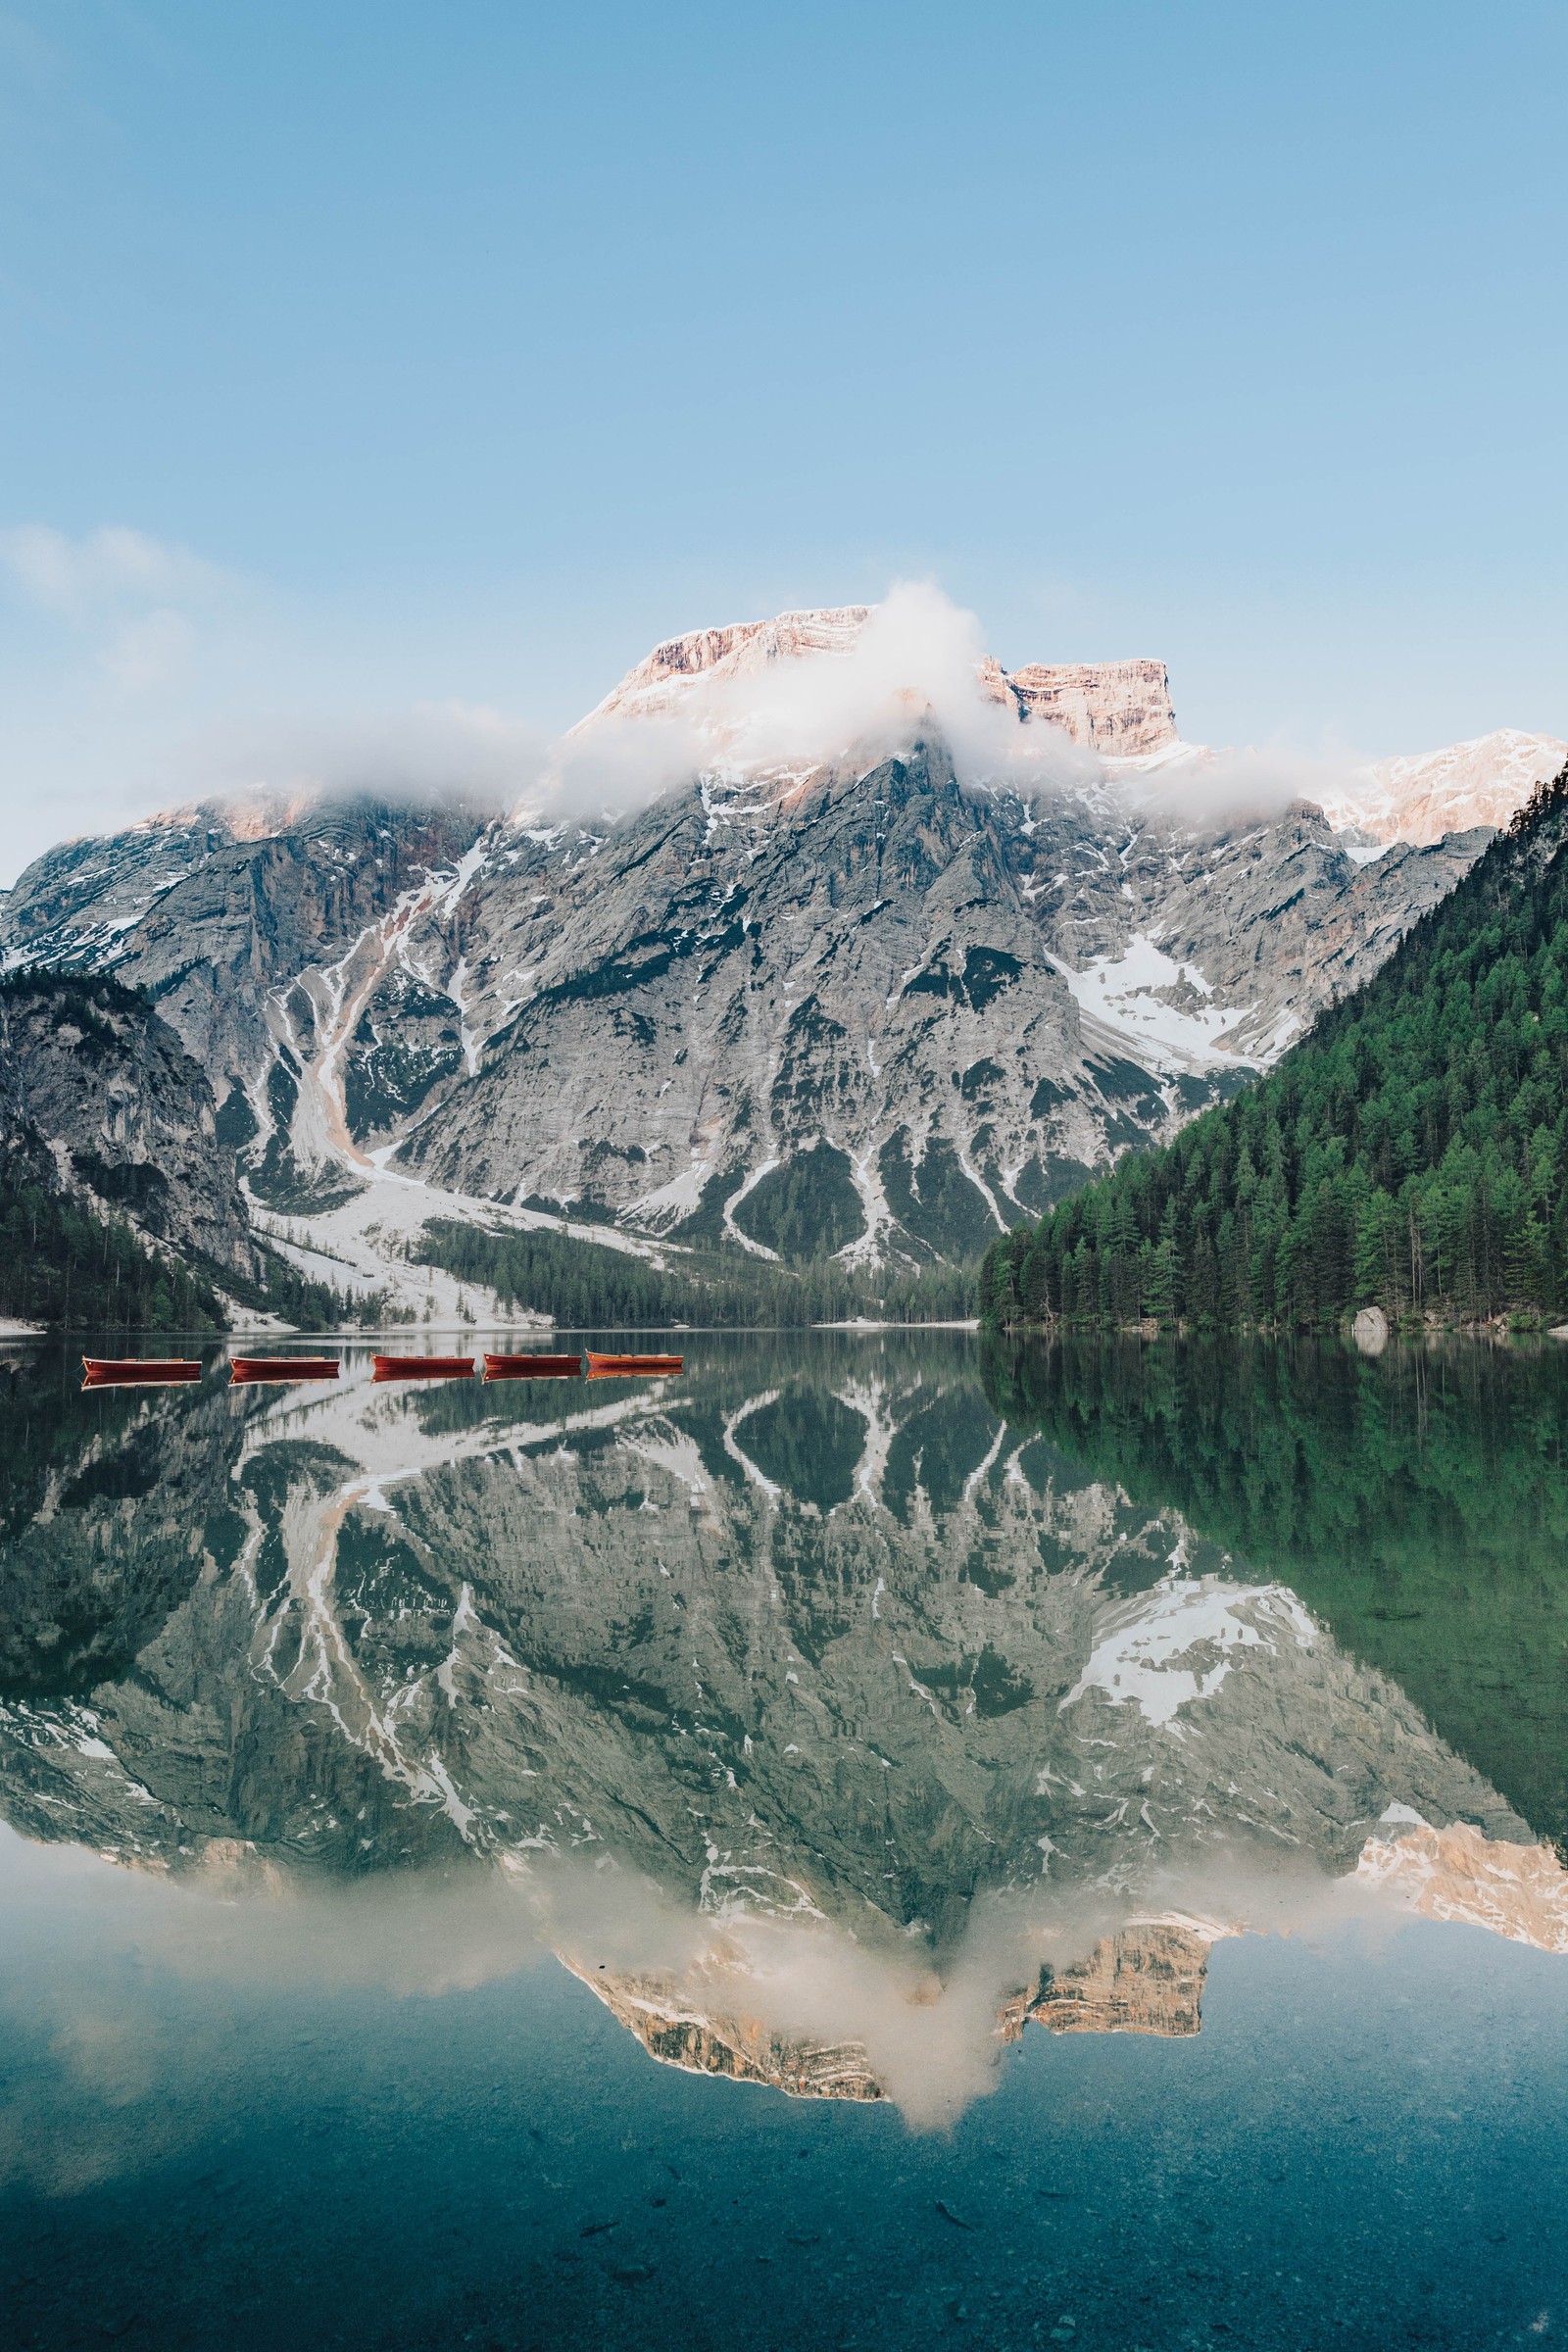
(64, 1265)
(586, 1285)
(119, 1207)
(1410, 1152)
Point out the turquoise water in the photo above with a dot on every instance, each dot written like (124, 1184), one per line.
(846, 1848)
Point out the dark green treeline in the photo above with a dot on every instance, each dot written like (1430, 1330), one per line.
(72, 1265)
(60, 1264)
(1417, 1503)
(64, 1266)
(1411, 1152)
(590, 1285)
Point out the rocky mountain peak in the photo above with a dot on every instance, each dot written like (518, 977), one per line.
(740, 649)
(1121, 709)
(829, 984)
(1425, 794)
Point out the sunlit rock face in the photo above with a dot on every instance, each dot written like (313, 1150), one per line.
(1422, 797)
(1520, 1891)
(678, 2021)
(663, 681)
(1121, 709)
(868, 989)
(1148, 1979)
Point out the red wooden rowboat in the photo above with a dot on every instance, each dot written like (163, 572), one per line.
(532, 1367)
(138, 1371)
(243, 1368)
(423, 1367)
(616, 1367)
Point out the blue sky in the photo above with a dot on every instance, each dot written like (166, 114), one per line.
(418, 355)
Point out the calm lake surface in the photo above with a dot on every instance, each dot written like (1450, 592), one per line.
(884, 1840)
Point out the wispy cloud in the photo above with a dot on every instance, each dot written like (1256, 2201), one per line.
(136, 601)
(913, 667)
(428, 751)
(927, 2022)
(105, 569)
(1207, 787)
(156, 676)
(153, 650)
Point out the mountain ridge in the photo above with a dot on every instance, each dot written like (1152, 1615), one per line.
(1408, 1155)
(849, 1003)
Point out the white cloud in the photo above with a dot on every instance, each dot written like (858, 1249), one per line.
(431, 750)
(129, 605)
(78, 579)
(131, 687)
(917, 654)
(1247, 783)
(913, 665)
(151, 651)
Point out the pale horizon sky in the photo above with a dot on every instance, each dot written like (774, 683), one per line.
(364, 361)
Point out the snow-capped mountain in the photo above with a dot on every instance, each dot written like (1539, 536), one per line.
(1421, 798)
(861, 966)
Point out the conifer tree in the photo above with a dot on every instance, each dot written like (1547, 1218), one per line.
(1411, 1152)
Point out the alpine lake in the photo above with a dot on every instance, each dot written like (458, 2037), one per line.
(888, 1838)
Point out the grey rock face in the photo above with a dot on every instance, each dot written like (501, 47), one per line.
(935, 1008)
(102, 1087)
(244, 925)
(72, 906)
(103, 1542)
(811, 985)
(864, 1011)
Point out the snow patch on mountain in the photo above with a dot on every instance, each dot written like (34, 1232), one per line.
(1163, 1649)
(1158, 1007)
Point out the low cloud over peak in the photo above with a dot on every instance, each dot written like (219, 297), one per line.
(154, 676)
(809, 691)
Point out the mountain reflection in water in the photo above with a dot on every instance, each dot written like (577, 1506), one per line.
(834, 1711)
